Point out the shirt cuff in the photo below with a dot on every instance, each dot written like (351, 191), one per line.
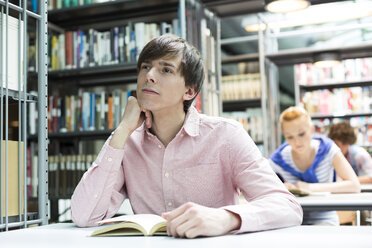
(110, 158)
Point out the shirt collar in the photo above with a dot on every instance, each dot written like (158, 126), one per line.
(191, 124)
(192, 120)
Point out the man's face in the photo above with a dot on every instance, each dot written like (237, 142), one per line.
(160, 84)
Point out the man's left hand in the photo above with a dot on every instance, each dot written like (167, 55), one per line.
(191, 220)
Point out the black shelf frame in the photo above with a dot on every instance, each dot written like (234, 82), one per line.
(240, 58)
(305, 55)
(97, 75)
(345, 116)
(78, 16)
(240, 105)
(97, 134)
(361, 83)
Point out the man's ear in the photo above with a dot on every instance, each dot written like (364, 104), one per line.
(189, 94)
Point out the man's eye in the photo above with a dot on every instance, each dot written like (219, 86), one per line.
(146, 67)
(301, 134)
(167, 70)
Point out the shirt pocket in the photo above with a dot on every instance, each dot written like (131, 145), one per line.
(201, 184)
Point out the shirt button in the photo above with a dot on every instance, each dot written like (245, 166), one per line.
(159, 146)
(181, 134)
(170, 204)
(166, 174)
(109, 159)
(95, 196)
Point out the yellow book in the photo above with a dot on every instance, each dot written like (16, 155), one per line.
(137, 225)
(13, 179)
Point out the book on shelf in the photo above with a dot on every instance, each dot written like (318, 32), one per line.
(133, 225)
(9, 74)
(14, 181)
(87, 48)
(348, 70)
(338, 101)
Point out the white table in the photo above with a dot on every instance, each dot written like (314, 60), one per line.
(366, 187)
(69, 236)
(361, 201)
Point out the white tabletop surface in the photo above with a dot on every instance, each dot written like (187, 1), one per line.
(353, 201)
(69, 236)
(366, 187)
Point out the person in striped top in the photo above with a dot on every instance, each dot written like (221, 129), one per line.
(311, 163)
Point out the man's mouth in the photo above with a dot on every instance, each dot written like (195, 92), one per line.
(149, 91)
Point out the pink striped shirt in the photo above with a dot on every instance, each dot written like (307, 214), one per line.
(208, 161)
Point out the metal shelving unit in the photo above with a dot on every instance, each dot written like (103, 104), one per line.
(23, 218)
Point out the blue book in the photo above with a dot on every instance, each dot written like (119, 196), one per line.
(92, 116)
(34, 6)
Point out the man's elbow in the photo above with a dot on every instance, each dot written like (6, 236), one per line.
(81, 220)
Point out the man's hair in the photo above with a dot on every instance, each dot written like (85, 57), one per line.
(343, 132)
(293, 113)
(171, 46)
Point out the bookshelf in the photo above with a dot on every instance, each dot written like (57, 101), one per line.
(18, 22)
(246, 95)
(105, 79)
(331, 94)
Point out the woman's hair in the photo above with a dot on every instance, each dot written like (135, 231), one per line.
(293, 113)
(171, 46)
(343, 132)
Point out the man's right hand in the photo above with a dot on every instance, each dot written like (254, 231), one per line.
(133, 117)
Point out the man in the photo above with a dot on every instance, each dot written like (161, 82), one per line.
(344, 136)
(171, 161)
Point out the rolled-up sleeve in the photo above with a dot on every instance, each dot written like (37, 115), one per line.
(270, 205)
(100, 191)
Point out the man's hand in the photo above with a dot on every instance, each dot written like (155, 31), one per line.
(191, 220)
(133, 117)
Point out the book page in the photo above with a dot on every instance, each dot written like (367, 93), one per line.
(147, 221)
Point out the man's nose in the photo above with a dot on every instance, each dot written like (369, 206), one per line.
(151, 75)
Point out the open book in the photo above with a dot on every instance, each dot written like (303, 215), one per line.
(138, 224)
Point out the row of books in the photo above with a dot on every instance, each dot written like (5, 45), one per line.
(348, 70)
(361, 125)
(59, 4)
(64, 173)
(87, 111)
(243, 86)
(248, 67)
(338, 101)
(86, 48)
(251, 119)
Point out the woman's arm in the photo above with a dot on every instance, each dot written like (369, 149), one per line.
(349, 183)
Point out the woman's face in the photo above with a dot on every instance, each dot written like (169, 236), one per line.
(298, 133)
